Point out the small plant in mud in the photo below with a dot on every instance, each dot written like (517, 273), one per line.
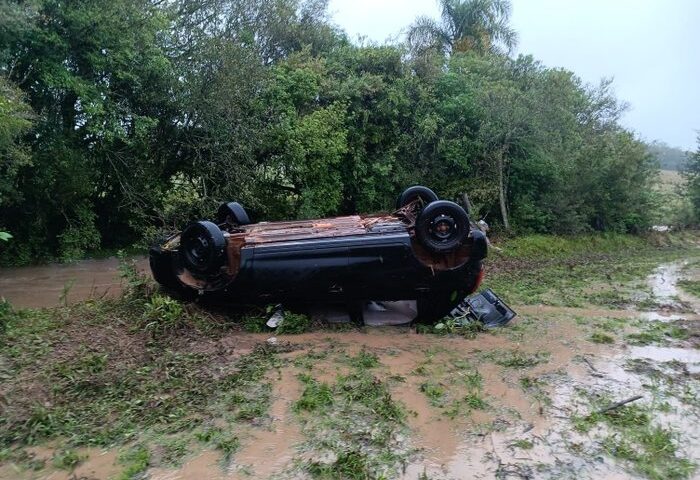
(350, 465)
(354, 427)
(600, 337)
(522, 444)
(163, 314)
(457, 326)
(315, 396)
(135, 460)
(67, 459)
(293, 323)
(517, 358)
(173, 449)
(364, 359)
(136, 283)
(226, 442)
(436, 393)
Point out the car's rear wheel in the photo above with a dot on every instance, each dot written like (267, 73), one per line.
(442, 226)
(414, 193)
(232, 213)
(202, 246)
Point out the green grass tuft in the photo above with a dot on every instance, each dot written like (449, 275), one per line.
(600, 337)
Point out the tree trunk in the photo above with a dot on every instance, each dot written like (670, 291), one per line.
(502, 192)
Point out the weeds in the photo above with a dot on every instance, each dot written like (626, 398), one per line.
(600, 337)
(315, 396)
(364, 359)
(226, 442)
(517, 358)
(135, 461)
(293, 323)
(690, 286)
(522, 444)
(436, 393)
(536, 387)
(67, 459)
(657, 333)
(650, 449)
(452, 326)
(352, 424)
(162, 314)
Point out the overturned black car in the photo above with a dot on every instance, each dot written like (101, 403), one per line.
(426, 250)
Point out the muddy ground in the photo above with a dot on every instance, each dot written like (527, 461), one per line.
(517, 402)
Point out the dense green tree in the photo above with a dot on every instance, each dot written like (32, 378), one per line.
(125, 119)
(16, 119)
(692, 178)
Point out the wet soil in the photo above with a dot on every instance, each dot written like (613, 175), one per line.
(524, 431)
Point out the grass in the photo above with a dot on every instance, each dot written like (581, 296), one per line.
(67, 459)
(602, 270)
(657, 333)
(315, 396)
(225, 441)
(435, 393)
(354, 427)
(516, 358)
(364, 359)
(522, 444)
(148, 374)
(140, 370)
(690, 286)
(135, 461)
(536, 388)
(631, 436)
(293, 323)
(601, 337)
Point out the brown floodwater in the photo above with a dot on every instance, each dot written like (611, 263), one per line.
(50, 285)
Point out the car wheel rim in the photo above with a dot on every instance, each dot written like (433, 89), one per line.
(443, 227)
(198, 250)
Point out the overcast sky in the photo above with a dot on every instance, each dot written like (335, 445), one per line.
(650, 47)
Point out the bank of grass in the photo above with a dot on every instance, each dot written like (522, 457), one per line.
(587, 270)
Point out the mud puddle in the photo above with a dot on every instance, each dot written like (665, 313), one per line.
(53, 284)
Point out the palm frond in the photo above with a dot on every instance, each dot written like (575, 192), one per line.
(426, 34)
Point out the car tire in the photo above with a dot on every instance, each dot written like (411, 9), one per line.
(202, 248)
(232, 213)
(412, 193)
(442, 226)
(163, 270)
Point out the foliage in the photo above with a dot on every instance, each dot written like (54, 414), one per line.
(692, 177)
(669, 158)
(466, 25)
(125, 120)
(293, 323)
